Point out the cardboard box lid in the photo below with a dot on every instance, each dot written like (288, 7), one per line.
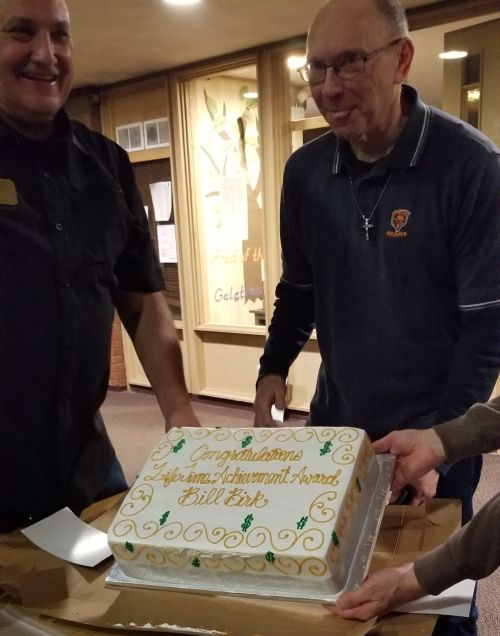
(79, 594)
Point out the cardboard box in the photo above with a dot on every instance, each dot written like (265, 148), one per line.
(74, 599)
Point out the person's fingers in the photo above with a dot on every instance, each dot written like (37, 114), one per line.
(416, 500)
(362, 611)
(279, 399)
(422, 490)
(395, 496)
(262, 411)
(271, 391)
(399, 480)
(348, 600)
(263, 419)
(382, 445)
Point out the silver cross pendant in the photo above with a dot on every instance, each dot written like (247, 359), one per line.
(367, 226)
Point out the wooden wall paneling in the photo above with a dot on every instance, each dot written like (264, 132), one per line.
(275, 132)
(140, 101)
(84, 106)
(133, 102)
(186, 246)
(429, 15)
(206, 362)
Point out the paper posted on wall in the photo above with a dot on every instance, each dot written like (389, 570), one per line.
(161, 193)
(167, 245)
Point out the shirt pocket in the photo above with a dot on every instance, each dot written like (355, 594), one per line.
(101, 222)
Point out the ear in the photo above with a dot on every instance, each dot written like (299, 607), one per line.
(404, 60)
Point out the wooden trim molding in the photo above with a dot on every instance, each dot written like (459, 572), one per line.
(437, 13)
(276, 148)
(151, 154)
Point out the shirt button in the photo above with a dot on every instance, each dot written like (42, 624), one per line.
(67, 283)
(59, 227)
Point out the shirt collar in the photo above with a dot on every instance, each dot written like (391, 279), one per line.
(64, 142)
(410, 144)
(62, 130)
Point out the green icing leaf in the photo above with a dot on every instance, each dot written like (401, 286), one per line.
(326, 449)
(246, 441)
(179, 446)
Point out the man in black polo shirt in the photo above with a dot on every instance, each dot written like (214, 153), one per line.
(390, 232)
(74, 243)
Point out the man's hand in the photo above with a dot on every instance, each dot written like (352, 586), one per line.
(421, 489)
(270, 390)
(418, 452)
(380, 593)
(183, 415)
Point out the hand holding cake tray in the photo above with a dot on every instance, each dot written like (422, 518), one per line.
(284, 513)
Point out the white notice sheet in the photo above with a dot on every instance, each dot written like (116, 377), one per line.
(161, 193)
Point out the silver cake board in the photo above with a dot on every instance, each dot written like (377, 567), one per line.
(364, 531)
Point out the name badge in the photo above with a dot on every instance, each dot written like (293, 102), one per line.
(8, 193)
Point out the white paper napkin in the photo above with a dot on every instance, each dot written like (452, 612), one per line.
(64, 535)
(455, 601)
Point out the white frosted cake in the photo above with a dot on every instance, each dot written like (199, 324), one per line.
(218, 502)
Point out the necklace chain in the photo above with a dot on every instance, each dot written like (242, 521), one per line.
(367, 226)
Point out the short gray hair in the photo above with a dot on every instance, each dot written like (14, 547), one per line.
(394, 15)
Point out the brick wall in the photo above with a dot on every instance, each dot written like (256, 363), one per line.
(117, 377)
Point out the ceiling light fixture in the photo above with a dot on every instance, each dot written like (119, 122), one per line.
(452, 55)
(250, 95)
(181, 1)
(473, 95)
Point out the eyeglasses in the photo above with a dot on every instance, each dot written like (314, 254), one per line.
(345, 67)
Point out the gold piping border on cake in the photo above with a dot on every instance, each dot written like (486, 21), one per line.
(165, 557)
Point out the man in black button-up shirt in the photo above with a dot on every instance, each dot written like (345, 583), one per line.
(74, 243)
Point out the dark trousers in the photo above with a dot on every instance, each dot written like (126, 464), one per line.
(460, 483)
(115, 482)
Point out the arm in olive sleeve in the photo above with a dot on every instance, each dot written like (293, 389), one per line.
(471, 553)
(476, 432)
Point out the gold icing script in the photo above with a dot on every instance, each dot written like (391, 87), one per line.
(235, 497)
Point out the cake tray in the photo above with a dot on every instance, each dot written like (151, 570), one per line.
(364, 530)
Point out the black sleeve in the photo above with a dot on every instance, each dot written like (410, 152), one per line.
(290, 328)
(474, 238)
